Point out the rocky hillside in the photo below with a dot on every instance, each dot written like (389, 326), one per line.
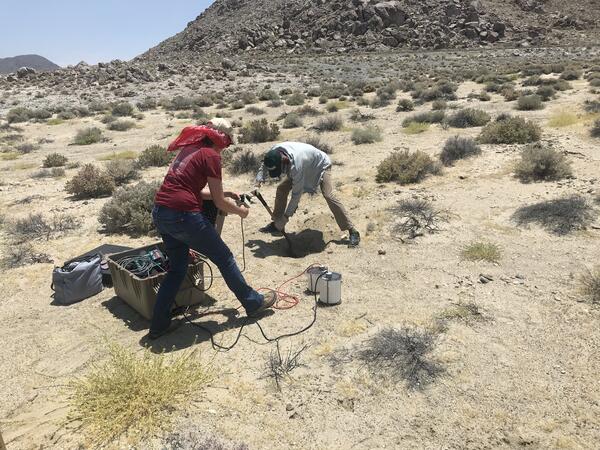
(36, 62)
(347, 25)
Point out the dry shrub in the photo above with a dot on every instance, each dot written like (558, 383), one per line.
(89, 136)
(23, 255)
(590, 285)
(457, 148)
(255, 110)
(469, 117)
(36, 226)
(155, 156)
(55, 172)
(308, 110)
(122, 172)
(541, 163)
(316, 142)
(135, 396)
(292, 120)
(130, 209)
(402, 354)
(482, 251)
(560, 216)
(258, 131)
(244, 162)
(510, 130)
(425, 117)
(278, 366)
(295, 99)
(405, 105)
(530, 103)
(404, 167)
(55, 160)
(368, 135)
(329, 123)
(121, 125)
(90, 182)
(122, 109)
(415, 217)
(358, 116)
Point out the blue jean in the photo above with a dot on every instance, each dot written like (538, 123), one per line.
(181, 231)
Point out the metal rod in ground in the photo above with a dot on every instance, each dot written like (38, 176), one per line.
(261, 199)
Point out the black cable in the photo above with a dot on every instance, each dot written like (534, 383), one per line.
(221, 348)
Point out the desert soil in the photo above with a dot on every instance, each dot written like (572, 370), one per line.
(526, 376)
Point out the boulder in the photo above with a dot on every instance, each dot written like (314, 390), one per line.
(391, 13)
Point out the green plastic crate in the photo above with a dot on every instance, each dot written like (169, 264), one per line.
(140, 293)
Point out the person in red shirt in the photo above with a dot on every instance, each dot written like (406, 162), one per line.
(195, 176)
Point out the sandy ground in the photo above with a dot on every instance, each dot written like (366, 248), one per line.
(524, 377)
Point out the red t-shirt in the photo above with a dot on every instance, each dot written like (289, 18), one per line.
(187, 176)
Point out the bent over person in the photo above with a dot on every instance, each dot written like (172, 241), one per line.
(305, 168)
(195, 176)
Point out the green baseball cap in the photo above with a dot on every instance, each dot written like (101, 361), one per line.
(272, 162)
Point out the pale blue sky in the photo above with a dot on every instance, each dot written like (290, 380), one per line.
(69, 31)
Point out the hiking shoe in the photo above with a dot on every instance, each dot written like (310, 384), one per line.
(354, 238)
(268, 302)
(153, 335)
(271, 228)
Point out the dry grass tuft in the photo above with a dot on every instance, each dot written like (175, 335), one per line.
(590, 285)
(482, 251)
(563, 119)
(134, 396)
(278, 366)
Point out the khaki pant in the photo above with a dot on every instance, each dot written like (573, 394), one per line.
(336, 207)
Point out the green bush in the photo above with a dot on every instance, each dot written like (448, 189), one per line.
(122, 109)
(405, 105)
(244, 162)
(404, 167)
(316, 142)
(90, 182)
(122, 171)
(55, 160)
(295, 99)
(292, 120)
(155, 156)
(329, 123)
(40, 114)
(458, 148)
(510, 130)
(130, 209)
(121, 125)
(259, 131)
(89, 136)
(540, 163)
(367, 135)
(529, 103)
(332, 107)
(469, 117)
(178, 103)
(425, 117)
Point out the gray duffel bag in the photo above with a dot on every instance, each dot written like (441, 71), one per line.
(77, 280)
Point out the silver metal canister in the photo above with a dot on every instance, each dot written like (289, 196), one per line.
(330, 288)
(313, 275)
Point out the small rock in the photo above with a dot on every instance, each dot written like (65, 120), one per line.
(381, 252)
(289, 407)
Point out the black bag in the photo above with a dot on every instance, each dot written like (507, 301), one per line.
(77, 280)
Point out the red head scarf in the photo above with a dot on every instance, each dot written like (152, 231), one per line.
(195, 135)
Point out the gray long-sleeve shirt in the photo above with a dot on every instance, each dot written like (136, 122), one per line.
(307, 165)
